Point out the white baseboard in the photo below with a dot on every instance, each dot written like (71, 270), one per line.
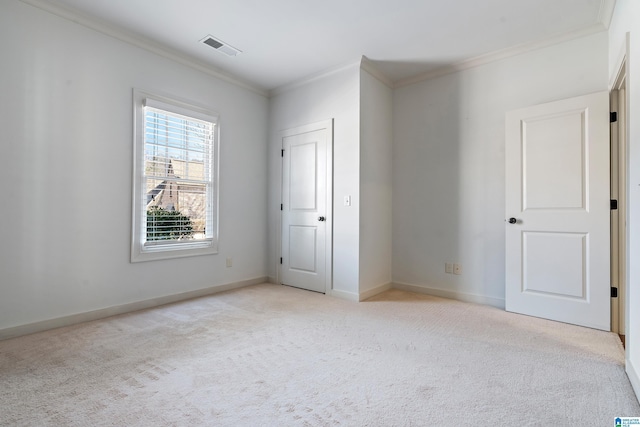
(88, 316)
(460, 296)
(375, 291)
(350, 296)
(272, 280)
(633, 377)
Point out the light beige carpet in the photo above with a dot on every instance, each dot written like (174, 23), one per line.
(271, 355)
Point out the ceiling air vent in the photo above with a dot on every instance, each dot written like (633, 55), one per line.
(221, 46)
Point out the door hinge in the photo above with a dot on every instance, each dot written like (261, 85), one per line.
(614, 204)
(613, 117)
(614, 292)
(282, 153)
(281, 262)
(280, 206)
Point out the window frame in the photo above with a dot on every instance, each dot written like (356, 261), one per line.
(139, 251)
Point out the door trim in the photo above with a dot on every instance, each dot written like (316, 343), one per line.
(619, 182)
(324, 124)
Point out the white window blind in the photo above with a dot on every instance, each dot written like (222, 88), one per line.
(176, 206)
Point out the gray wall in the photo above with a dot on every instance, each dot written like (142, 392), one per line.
(66, 179)
(376, 141)
(448, 163)
(333, 96)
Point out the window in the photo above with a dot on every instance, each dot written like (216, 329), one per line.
(175, 179)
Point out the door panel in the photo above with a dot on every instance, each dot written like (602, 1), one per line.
(554, 166)
(554, 264)
(302, 181)
(305, 240)
(557, 189)
(306, 195)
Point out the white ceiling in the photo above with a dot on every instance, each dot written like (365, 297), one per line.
(287, 40)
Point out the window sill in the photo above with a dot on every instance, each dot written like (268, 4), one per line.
(152, 253)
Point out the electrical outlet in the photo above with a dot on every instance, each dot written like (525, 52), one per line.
(457, 269)
(448, 268)
(229, 262)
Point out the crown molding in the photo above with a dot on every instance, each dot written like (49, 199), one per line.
(367, 65)
(606, 12)
(363, 63)
(141, 42)
(500, 54)
(312, 78)
(605, 15)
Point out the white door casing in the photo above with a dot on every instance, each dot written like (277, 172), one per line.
(557, 189)
(306, 207)
(618, 103)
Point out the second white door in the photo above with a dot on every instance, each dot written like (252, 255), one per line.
(306, 237)
(557, 230)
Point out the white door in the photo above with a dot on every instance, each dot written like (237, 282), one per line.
(557, 211)
(306, 207)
